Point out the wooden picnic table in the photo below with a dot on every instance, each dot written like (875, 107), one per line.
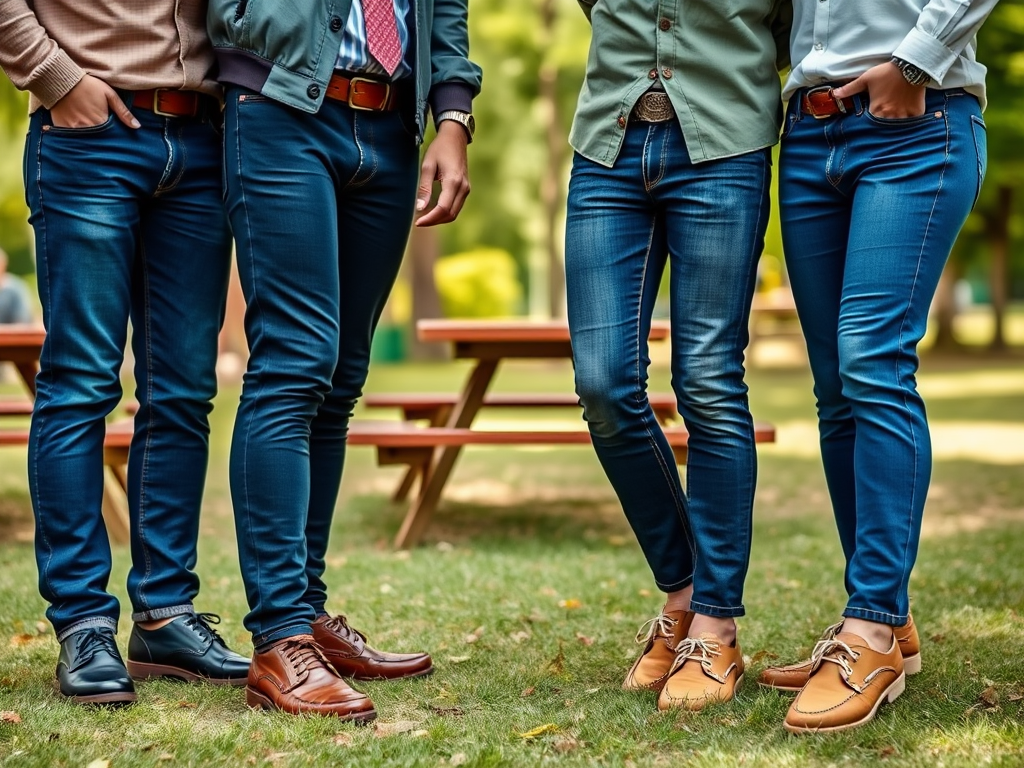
(22, 345)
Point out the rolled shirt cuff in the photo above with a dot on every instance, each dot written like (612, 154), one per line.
(58, 75)
(926, 52)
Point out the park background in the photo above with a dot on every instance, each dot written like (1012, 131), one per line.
(529, 586)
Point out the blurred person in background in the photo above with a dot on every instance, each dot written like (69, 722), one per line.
(123, 177)
(15, 304)
(883, 156)
(673, 135)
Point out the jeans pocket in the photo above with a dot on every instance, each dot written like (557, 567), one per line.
(903, 122)
(980, 132)
(89, 130)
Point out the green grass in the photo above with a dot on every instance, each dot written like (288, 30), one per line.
(521, 531)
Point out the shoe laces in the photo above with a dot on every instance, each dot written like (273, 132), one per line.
(95, 640)
(301, 654)
(200, 622)
(339, 624)
(700, 650)
(659, 626)
(837, 652)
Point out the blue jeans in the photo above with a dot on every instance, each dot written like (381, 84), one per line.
(128, 224)
(321, 207)
(870, 211)
(624, 224)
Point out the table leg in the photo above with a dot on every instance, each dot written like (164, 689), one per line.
(462, 415)
(439, 419)
(28, 372)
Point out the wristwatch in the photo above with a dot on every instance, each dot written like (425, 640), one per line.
(912, 73)
(465, 119)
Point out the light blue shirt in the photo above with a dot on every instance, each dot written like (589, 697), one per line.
(838, 40)
(355, 56)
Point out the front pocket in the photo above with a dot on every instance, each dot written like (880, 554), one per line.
(905, 122)
(980, 132)
(89, 130)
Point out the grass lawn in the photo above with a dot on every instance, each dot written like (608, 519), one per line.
(528, 591)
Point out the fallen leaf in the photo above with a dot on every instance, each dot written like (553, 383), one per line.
(887, 751)
(584, 639)
(403, 554)
(10, 717)
(475, 635)
(571, 604)
(444, 546)
(990, 697)
(187, 705)
(386, 589)
(938, 638)
(557, 664)
(421, 733)
(383, 730)
(565, 744)
(528, 691)
(459, 659)
(337, 562)
(21, 639)
(644, 593)
(165, 757)
(1015, 697)
(520, 637)
(99, 764)
(549, 591)
(540, 730)
(459, 758)
(591, 691)
(618, 541)
(42, 628)
(760, 656)
(342, 739)
(447, 711)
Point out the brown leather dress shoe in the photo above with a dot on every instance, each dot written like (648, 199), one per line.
(294, 677)
(849, 682)
(660, 637)
(793, 677)
(706, 671)
(347, 650)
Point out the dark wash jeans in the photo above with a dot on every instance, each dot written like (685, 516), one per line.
(870, 211)
(321, 207)
(128, 224)
(708, 221)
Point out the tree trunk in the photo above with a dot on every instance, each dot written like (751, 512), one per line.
(944, 308)
(424, 249)
(999, 237)
(550, 185)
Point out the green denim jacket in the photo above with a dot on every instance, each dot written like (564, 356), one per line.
(718, 61)
(286, 50)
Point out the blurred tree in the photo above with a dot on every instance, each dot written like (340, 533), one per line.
(14, 232)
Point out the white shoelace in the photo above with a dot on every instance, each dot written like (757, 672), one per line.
(687, 650)
(839, 653)
(659, 626)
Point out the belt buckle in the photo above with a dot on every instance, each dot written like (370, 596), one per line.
(831, 93)
(352, 92)
(162, 113)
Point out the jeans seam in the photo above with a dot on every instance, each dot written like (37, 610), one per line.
(354, 182)
(148, 347)
(259, 387)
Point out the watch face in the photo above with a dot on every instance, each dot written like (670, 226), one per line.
(471, 123)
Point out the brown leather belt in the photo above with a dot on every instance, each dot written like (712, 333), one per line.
(821, 102)
(173, 103)
(364, 93)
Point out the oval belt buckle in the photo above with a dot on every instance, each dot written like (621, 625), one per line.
(829, 91)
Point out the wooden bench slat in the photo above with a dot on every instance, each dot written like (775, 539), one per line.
(494, 400)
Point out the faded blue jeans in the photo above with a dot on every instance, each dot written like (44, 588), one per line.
(128, 223)
(870, 211)
(708, 222)
(320, 205)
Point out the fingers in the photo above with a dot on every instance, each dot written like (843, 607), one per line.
(118, 108)
(427, 175)
(453, 195)
(857, 86)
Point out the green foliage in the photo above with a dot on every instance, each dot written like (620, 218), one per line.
(15, 237)
(479, 283)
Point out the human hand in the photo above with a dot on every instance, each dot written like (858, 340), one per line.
(89, 104)
(444, 161)
(891, 96)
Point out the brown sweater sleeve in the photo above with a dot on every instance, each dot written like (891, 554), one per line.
(31, 58)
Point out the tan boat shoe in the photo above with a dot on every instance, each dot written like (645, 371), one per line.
(793, 677)
(848, 683)
(659, 636)
(706, 671)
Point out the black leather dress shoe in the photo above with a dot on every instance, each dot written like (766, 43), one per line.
(187, 648)
(90, 669)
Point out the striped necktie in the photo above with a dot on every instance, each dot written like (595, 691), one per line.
(382, 33)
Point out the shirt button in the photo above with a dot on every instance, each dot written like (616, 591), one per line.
(665, 25)
(335, 24)
(819, 47)
(622, 122)
(652, 75)
(666, 73)
(313, 91)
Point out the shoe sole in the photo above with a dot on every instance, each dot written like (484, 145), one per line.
(142, 671)
(911, 666)
(104, 699)
(256, 700)
(423, 673)
(890, 695)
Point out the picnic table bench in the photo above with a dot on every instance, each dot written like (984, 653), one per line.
(430, 451)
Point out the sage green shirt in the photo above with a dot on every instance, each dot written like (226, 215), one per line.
(718, 61)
